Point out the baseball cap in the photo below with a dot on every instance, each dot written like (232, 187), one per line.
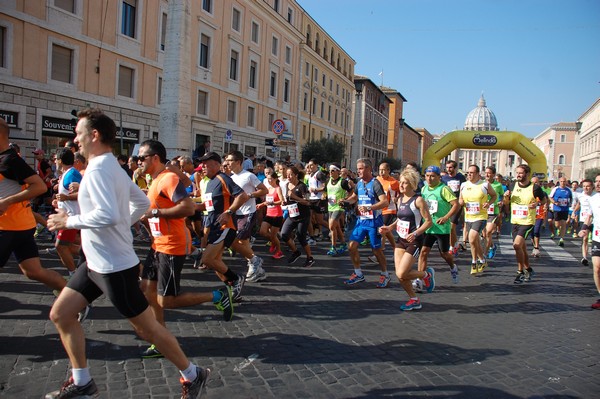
(210, 155)
(39, 151)
(433, 169)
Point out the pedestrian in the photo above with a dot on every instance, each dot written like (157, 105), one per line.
(246, 215)
(524, 197)
(413, 219)
(170, 204)
(273, 220)
(19, 184)
(454, 179)
(67, 240)
(595, 229)
(493, 212)
(371, 200)
(476, 195)
(221, 200)
(109, 202)
(298, 207)
(443, 205)
(561, 197)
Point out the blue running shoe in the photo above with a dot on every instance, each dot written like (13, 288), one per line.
(411, 305)
(332, 251)
(429, 281)
(342, 248)
(492, 252)
(354, 279)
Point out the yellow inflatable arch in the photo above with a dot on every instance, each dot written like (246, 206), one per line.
(488, 140)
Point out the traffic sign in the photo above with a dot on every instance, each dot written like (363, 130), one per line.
(228, 136)
(278, 127)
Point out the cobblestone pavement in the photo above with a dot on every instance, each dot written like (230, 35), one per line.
(303, 334)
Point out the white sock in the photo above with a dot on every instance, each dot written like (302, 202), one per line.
(190, 373)
(81, 376)
(358, 272)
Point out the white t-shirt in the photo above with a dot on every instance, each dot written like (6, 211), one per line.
(595, 205)
(248, 182)
(110, 203)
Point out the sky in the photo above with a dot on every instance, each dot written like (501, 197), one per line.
(537, 62)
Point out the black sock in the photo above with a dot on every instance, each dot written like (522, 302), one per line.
(230, 276)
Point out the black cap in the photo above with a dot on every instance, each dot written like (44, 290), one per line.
(210, 155)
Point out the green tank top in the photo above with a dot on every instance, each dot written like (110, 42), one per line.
(438, 207)
(500, 193)
(335, 192)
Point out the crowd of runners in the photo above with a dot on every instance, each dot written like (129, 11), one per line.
(193, 211)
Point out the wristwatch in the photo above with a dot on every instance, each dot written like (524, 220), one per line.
(154, 212)
(229, 211)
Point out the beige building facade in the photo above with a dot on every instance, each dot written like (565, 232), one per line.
(557, 142)
(587, 142)
(195, 75)
(396, 121)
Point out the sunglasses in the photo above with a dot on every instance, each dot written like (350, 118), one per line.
(142, 158)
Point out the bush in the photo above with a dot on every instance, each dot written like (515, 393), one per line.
(324, 151)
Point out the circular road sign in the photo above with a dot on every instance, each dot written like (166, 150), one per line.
(278, 127)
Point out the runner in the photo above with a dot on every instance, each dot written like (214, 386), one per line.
(494, 215)
(523, 198)
(442, 206)
(316, 179)
(595, 228)
(391, 189)
(337, 190)
(246, 215)
(109, 202)
(273, 220)
(540, 218)
(476, 195)
(371, 200)
(170, 204)
(454, 180)
(583, 206)
(561, 197)
(222, 199)
(412, 221)
(19, 184)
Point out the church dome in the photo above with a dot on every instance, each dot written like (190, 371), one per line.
(481, 118)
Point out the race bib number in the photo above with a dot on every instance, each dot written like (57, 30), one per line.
(491, 209)
(208, 202)
(366, 214)
(364, 201)
(433, 205)
(293, 210)
(154, 224)
(331, 200)
(402, 228)
(596, 233)
(520, 211)
(454, 185)
(562, 202)
(270, 199)
(473, 208)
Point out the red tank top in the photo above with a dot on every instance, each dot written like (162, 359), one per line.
(272, 196)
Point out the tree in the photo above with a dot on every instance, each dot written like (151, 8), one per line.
(592, 173)
(395, 164)
(324, 151)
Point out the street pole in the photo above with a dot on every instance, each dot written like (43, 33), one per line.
(121, 129)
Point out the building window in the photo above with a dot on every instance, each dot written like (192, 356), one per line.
(563, 138)
(159, 90)
(62, 64)
(288, 55)
(322, 109)
(307, 69)
(305, 101)
(286, 90)
(330, 84)
(562, 160)
(202, 105)
(251, 114)
(290, 16)
(204, 51)
(271, 119)
(207, 5)
(316, 74)
(128, 18)
(233, 65)
(126, 79)
(275, 46)
(231, 111)
(276, 5)
(314, 106)
(3, 47)
(236, 20)
(252, 76)
(273, 85)
(329, 113)
(324, 80)
(255, 32)
(67, 5)
(163, 31)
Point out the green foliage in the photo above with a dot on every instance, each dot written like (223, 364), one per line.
(592, 173)
(324, 151)
(395, 164)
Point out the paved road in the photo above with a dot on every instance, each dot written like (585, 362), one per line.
(302, 334)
